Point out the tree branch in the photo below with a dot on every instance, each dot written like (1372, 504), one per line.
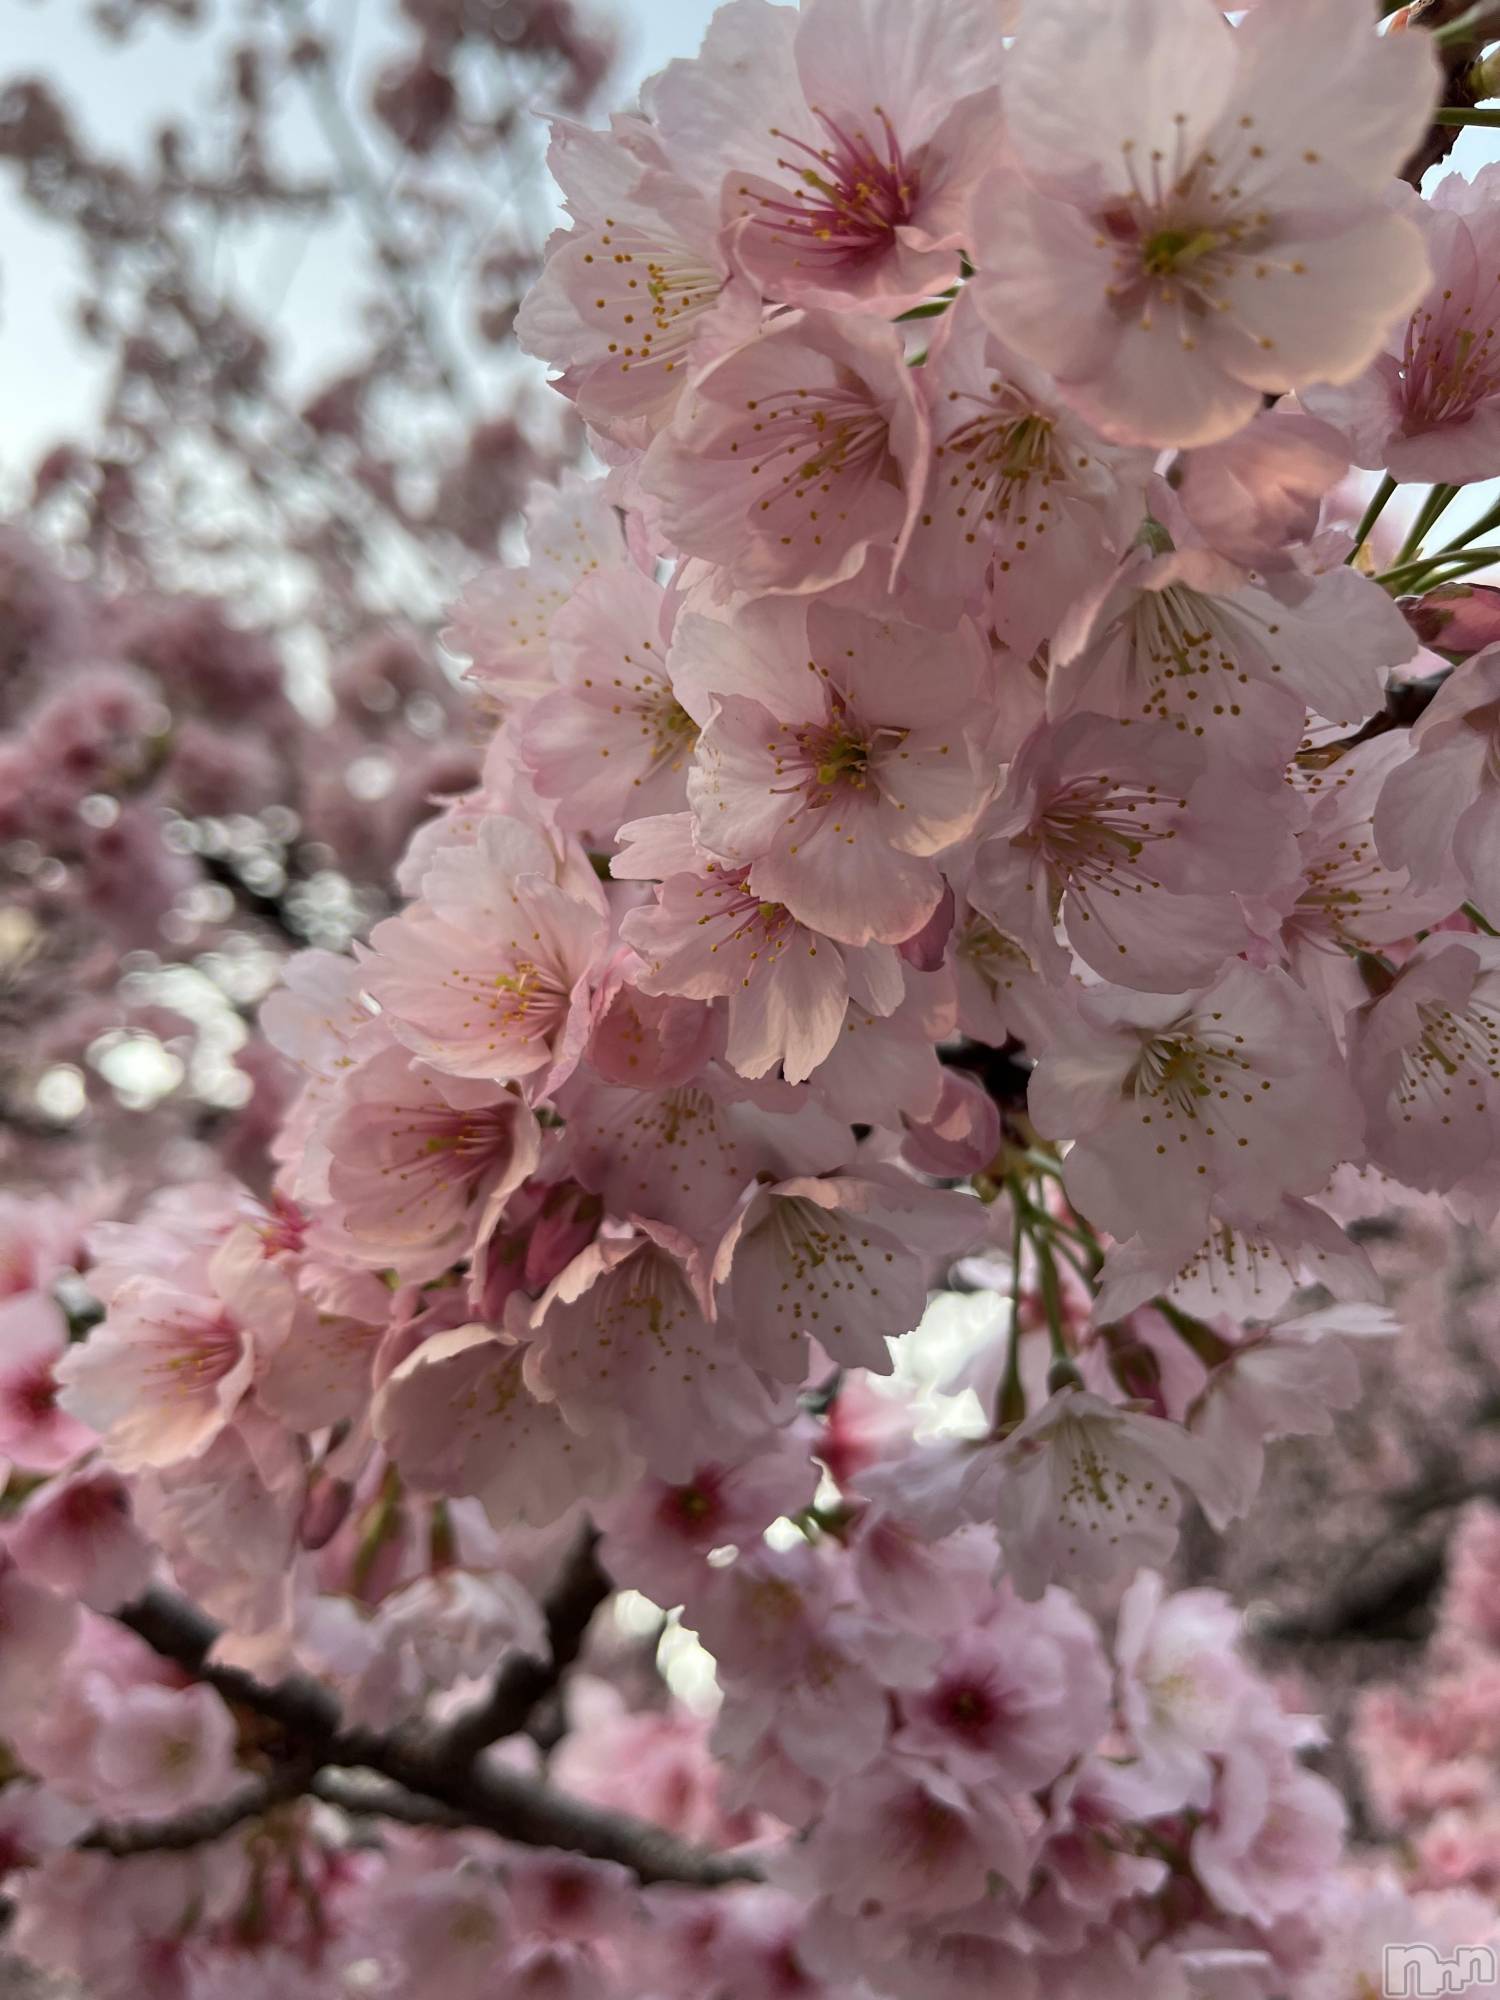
(197, 1829)
(523, 1683)
(1458, 56)
(420, 1769)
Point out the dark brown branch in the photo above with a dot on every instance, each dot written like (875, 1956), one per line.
(523, 1683)
(1458, 59)
(497, 1800)
(364, 1796)
(197, 1829)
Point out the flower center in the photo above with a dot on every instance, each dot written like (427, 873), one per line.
(1172, 250)
(844, 759)
(851, 194)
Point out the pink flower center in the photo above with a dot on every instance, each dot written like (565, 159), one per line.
(1005, 455)
(967, 1708)
(34, 1397)
(1447, 369)
(852, 194)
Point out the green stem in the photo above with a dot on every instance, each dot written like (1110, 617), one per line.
(1453, 564)
(1479, 920)
(1427, 516)
(1453, 114)
(1201, 1339)
(1476, 22)
(1051, 1296)
(1475, 529)
(1371, 515)
(381, 1523)
(1010, 1406)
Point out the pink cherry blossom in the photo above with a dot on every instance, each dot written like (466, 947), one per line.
(1241, 1270)
(166, 1370)
(842, 1260)
(489, 975)
(1428, 407)
(835, 785)
(1439, 808)
(1285, 1382)
(1425, 1058)
(1084, 1489)
(796, 456)
(685, 1155)
(632, 297)
(659, 1534)
(422, 1163)
(1184, 1690)
(1014, 1699)
(78, 1535)
(1193, 640)
(457, 1416)
(612, 741)
(627, 1333)
(1257, 497)
(505, 615)
(34, 1430)
(36, 1628)
(1351, 899)
(1025, 506)
(451, 1927)
(709, 936)
(1182, 1101)
(1271, 1828)
(846, 167)
(1137, 840)
(39, 1240)
(163, 1750)
(1173, 254)
(910, 1838)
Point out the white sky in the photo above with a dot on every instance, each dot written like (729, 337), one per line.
(49, 382)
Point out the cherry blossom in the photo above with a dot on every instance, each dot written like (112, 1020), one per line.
(34, 1430)
(626, 1334)
(1427, 407)
(1084, 1489)
(846, 166)
(1137, 840)
(835, 786)
(634, 294)
(796, 457)
(1175, 254)
(1184, 1101)
(1425, 1057)
(788, 989)
(489, 975)
(1188, 638)
(925, 1009)
(407, 1194)
(503, 619)
(1439, 807)
(1024, 505)
(169, 1366)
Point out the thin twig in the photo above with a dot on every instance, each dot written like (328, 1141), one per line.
(495, 1799)
(524, 1682)
(208, 1823)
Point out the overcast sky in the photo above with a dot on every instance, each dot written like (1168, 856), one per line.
(48, 382)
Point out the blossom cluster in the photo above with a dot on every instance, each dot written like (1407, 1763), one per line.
(171, 824)
(965, 811)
